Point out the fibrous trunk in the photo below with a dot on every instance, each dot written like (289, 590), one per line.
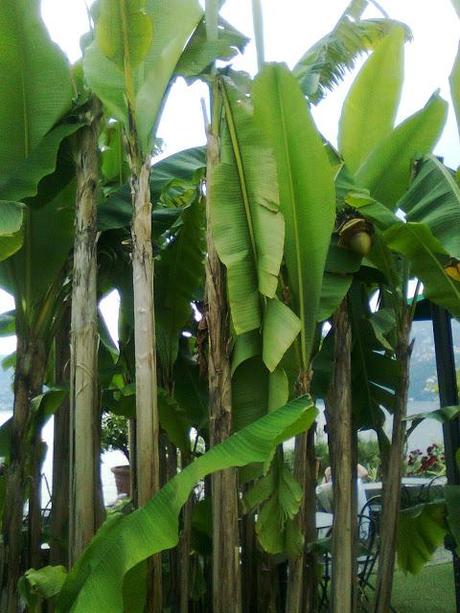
(147, 425)
(339, 425)
(84, 341)
(28, 381)
(302, 579)
(392, 477)
(226, 556)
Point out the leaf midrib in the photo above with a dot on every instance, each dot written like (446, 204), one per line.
(295, 224)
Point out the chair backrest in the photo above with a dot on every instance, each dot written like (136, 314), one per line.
(368, 546)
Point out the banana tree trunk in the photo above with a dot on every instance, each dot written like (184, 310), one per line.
(226, 557)
(185, 543)
(392, 478)
(61, 458)
(339, 424)
(249, 563)
(302, 591)
(28, 380)
(84, 342)
(147, 425)
(35, 503)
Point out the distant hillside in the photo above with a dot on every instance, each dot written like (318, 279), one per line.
(423, 363)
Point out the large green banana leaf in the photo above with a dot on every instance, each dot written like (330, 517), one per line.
(134, 55)
(277, 496)
(96, 582)
(370, 108)
(434, 199)
(36, 90)
(307, 194)
(247, 227)
(421, 530)
(23, 180)
(200, 52)
(36, 93)
(427, 259)
(386, 171)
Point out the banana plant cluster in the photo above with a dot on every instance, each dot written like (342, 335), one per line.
(249, 245)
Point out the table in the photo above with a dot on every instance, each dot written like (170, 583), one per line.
(374, 488)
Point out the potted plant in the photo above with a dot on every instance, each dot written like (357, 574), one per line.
(114, 436)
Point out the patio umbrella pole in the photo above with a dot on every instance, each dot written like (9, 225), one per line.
(448, 396)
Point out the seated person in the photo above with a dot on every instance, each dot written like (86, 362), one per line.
(325, 495)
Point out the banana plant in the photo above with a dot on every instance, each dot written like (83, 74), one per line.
(380, 164)
(40, 83)
(84, 408)
(307, 202)
(129, 68)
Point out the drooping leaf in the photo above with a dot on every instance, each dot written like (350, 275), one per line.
(280, 329)
(333, 290)
(420, 532)
(386, 171)
(434, 199)
(307, 195)
(37, 88)
(247, 346)
(247, 227)
(201, 52)
(185, 165)
(427, 259)
(275, 530)
(23, 180)
(96, 582)
(370, 108)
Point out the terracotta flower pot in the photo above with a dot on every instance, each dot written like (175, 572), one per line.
(122, 479)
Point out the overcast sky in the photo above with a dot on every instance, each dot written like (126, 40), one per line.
(290, 27)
